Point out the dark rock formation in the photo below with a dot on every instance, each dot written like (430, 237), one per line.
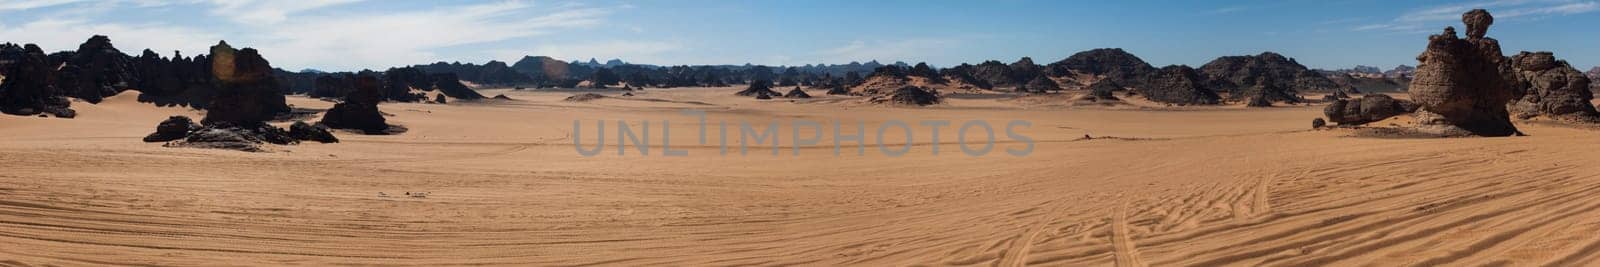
(584, 97)
(1179, 85)
(1108, 63)
(797, 93)
(1463, 85)
(1264, 92)
(440, 99)
(838, 89)
(502, 97)
(758, 88)
(1040, 84)
(911, 95)
(1549, 87)
(1318, 123)
(174, 128)
(1240, 74)
(303, 131)
(763, 96)
(97, 70)
(1367, 109)
(359, 110)
(1104, 89)
(404, 84)
(246, 93)
(223, 135)
(178, 81)
(448, 84)
(27, 88)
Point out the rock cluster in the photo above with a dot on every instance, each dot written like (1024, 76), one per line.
(246, 97)
(27, 87)
(584, 97)
(97, 70)
(1179, 85)
(1463, 85)
(1366, 109)
(1242, 75)
(758, 89)
(796, 93)
(1550, 88)
(1104, 89)
(910, 95)
(1040, 84)
(301, 130)
(1108, 63)
(359, 110)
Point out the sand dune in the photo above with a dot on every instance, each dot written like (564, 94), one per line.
(1202, 186)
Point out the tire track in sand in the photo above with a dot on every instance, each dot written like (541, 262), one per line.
(1126, 253)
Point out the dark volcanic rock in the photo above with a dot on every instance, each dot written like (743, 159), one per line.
(448, 84)
(246, 92)
(1264, 91)
(440, 99)
(584, 97)
(1366, 109)
(1463, 85)
(758, 88)
(797, 93)
(223, 135)
(1549, 87)
(174, 128)
(1318, 123)
(1040, 84)
(1109, 63)
(303, 131)
(178, 81)
(98, 70)
(1179, 85)
(403, 84)
(911, 95)
(838, 89)
(1236, 74)
(359, 110)
(1104, 89)
(27, 88)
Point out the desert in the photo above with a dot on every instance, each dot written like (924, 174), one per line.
(1471, 156)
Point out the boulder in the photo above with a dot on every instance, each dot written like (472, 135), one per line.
(502, 97)
(1547, 87)
(1463, 85)
(1366, 109)
(584, 97)
(1318, 123)
(303, 131)
(174, 128)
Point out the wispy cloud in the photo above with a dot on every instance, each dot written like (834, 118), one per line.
(886, 50)
(10, 5)
(1226, 10)
(267, 11)
(1416, 20)
(59, 34)
(640, 51)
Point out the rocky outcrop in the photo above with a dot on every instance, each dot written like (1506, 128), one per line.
(1105, 89)
(405, 84)
(1264, 92)
(246, 92)
(1366, 109)
(97, 70)
(176, 81)
(1179, 85)
(303, 131)
(1463, 85)
(247, 96)
(1040, 84)
(449, 85)
(758, 89)
(1547, 87)
(27, 87)
(359, 110)
(1241, 76)
(910, 95)
(586, 97)
(174, 128)
(796, 93)
(1108, 63)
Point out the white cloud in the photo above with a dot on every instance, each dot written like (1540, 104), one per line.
(1418, 20)
(56, 34)
(9, 5)
(267, 11)
(355, 41)
(908, 50)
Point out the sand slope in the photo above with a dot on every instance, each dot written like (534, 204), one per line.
(1204, 187)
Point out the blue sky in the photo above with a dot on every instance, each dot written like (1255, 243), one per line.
(356, 34)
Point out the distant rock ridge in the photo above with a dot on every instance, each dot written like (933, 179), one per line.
(1179, 85)
(1109, 63)
(1241, 76)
